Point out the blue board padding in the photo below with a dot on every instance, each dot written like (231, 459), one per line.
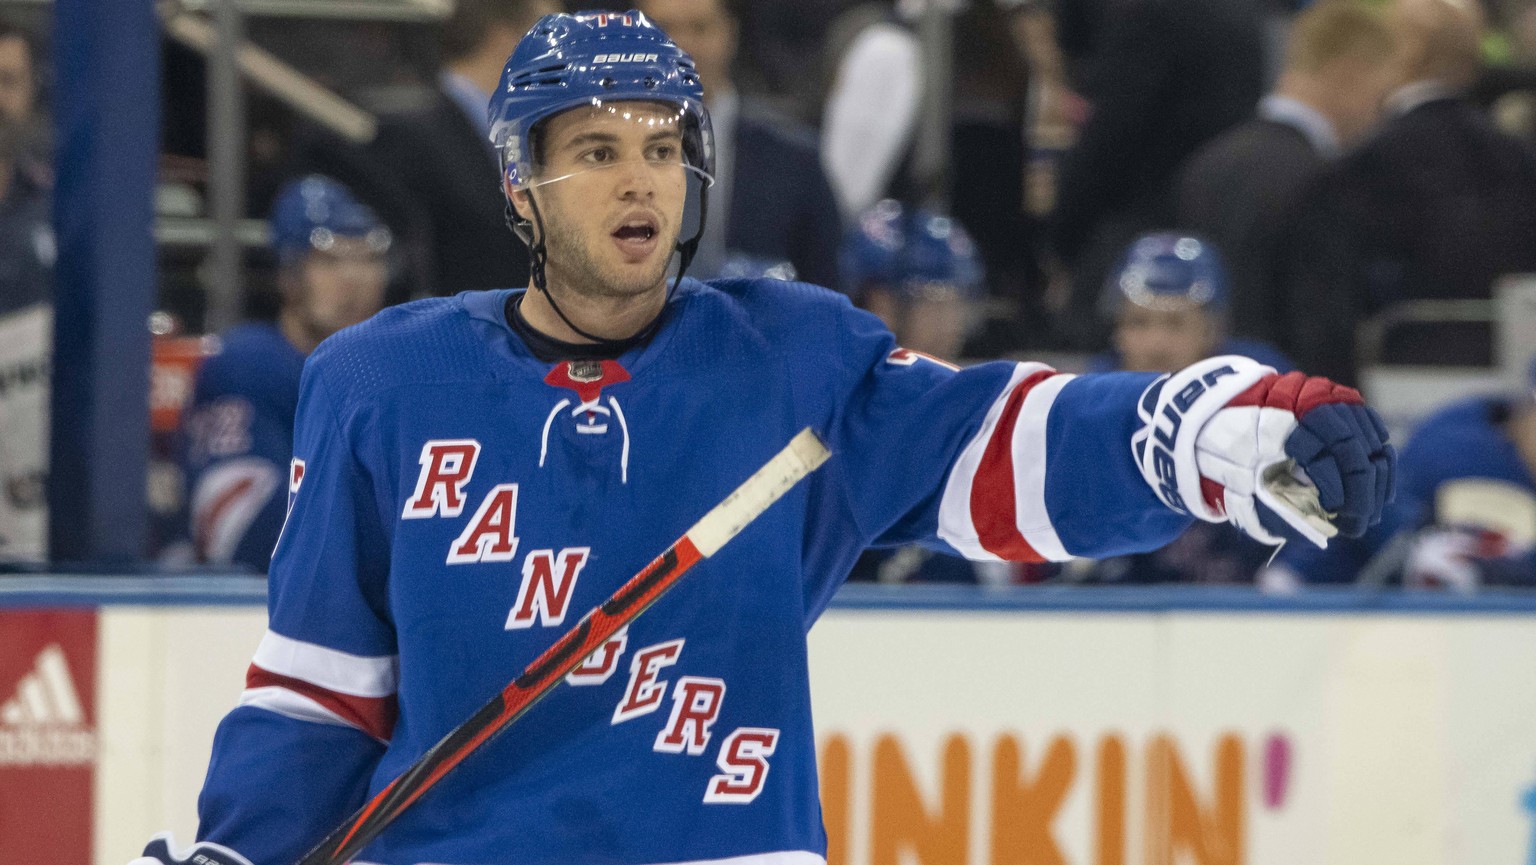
(56, 590)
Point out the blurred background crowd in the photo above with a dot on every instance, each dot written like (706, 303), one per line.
(1342, 186)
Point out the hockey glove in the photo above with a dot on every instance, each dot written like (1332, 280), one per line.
(1230, 440)
(159, 852)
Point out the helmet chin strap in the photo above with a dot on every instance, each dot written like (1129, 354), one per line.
(538, 256)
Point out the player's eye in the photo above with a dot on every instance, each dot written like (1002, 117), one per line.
(664, 153)
(599, 155)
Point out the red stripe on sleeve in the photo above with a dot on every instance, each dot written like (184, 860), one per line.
(373, 715)
(994, 511)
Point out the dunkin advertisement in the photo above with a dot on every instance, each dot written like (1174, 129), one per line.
(986, 738)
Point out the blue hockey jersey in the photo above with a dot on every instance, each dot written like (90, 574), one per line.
(458, 503)
(236, 443)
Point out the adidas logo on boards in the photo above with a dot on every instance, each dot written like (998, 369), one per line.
(44, 724)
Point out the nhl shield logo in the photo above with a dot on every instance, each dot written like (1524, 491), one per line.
(584, 371)
(587, 377)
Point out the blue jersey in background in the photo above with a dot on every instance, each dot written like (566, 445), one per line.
(1460, 468)
(237, 444)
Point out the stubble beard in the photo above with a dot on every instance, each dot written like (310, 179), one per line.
(583, 272)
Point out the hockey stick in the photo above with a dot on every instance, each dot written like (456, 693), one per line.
(800, 457)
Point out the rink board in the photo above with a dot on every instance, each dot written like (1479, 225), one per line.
(1153, 727)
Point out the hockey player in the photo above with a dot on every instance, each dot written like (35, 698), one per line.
(918, 271)
(238, 431)
(1169, 297)
(473, 473)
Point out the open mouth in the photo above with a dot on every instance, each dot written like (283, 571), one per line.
(637, 230)
(636, 237)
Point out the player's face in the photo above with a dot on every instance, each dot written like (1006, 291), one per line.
(1164, 340)
(702, 28)
(339, 286)
(610, 198)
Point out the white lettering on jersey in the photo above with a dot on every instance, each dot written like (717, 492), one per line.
(744, 761)
(695, 706)
(643, 693)
(491, 534)
(547, 586)
(446, 466)
(600, 666)
(221, 428)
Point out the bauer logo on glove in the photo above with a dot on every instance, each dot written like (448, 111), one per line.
(1279, 456)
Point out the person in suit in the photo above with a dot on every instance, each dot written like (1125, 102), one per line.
(790, 214)
(1241, 189)
(1166, 76)
(1436, 205)
(440, 154)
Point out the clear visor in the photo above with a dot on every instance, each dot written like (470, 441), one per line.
(602, 134)
(662, 170)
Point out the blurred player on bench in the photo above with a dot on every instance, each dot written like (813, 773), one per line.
(238, 430)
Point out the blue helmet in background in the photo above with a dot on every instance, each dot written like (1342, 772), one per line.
(1168, 270)
(908, 250)
(567, 61)
(310, 213)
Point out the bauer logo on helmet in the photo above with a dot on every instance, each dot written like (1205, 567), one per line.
(625, 58)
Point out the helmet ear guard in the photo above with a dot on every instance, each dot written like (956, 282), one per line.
(519, 226)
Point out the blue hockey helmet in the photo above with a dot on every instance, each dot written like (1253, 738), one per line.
(909, 251)
(1169, 270)
(567, 61)
(312, 212)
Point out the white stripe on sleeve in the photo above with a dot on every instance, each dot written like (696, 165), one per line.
(344, 673)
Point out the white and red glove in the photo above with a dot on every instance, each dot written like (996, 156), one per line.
(159, 852)
(1231, 440)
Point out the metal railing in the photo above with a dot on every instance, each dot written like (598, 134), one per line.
(1371, 336)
